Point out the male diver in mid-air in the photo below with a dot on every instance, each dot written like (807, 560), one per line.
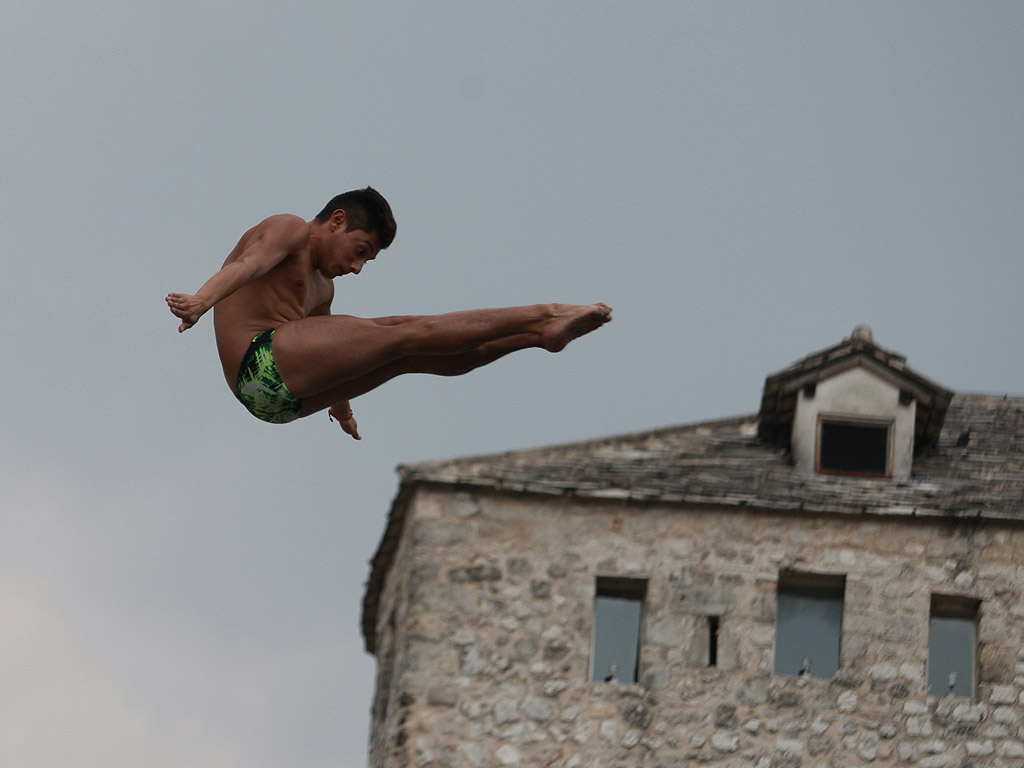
(286, 356)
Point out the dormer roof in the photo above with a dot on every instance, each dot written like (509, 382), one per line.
(779, 397)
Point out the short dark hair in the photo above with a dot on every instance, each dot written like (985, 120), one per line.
(364, 209)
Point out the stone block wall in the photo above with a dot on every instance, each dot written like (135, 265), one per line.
(488, 618)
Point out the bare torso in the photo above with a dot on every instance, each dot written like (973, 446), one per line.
(292, 290)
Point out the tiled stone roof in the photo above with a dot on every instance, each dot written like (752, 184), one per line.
(725, 463)
(974, 469)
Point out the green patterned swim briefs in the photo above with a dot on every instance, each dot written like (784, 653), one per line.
(260, 388)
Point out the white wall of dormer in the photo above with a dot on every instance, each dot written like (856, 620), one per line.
(857, 394)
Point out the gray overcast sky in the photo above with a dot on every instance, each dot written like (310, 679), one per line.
(744, 182)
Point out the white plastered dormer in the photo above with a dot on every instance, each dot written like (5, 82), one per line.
(854, 409)
(854, 423)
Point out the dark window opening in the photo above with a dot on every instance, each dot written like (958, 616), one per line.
(952, 646)
(712, 641)
(618, 618)
(861, 449)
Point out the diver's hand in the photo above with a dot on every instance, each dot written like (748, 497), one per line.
(346, 421)
(187, 308)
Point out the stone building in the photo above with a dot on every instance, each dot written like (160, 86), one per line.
(834, 581)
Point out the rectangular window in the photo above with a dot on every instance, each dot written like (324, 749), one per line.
(712, 641)
(618, 618)
(852, 447)
(809, 624)
(952, 646)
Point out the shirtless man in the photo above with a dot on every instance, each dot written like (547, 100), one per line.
(286, 356)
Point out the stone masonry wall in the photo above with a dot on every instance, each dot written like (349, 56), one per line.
(390, 704)
(495, 597)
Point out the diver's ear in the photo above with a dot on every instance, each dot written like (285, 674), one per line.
(338, 221)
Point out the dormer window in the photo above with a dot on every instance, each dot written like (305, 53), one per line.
(857, 447)
(853, 423)
(854, 409)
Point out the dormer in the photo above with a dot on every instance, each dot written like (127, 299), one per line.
(854, 409)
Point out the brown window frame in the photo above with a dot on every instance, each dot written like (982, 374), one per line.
(825, 420)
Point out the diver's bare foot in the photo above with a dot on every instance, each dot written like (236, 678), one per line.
(572, 321)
